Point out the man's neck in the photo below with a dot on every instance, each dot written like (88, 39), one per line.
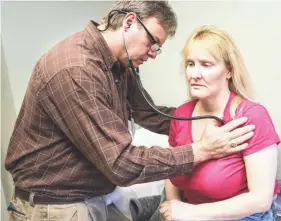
(114, 42)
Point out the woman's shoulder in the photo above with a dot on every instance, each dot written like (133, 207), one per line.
(251, 107)
(256, 113)
(264, 134)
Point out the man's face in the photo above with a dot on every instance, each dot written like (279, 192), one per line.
(139, 43)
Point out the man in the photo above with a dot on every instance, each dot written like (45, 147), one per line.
(71, 144)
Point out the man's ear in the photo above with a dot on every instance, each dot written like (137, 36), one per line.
(129, 20)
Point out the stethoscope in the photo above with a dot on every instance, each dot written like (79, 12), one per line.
(139, 84)
(160, 112)
(138, 80)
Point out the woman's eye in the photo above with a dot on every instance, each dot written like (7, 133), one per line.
(189, 64)
(205, 64)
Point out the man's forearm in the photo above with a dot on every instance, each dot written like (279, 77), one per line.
(141, 164)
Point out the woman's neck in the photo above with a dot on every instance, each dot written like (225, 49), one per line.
(213, 105)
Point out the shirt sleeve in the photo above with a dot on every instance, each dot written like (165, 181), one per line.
(143, 114)
(265, 134)
(79, 103)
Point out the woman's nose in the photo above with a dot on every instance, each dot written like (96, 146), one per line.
(195, 72)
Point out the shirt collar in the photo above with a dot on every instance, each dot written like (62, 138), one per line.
(101, 45)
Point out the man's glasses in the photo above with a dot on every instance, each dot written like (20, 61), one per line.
(155, 47)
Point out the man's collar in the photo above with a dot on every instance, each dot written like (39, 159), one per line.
(101, 44)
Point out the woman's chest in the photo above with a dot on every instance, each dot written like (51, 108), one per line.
(190, 132)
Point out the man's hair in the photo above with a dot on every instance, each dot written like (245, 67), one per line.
(160, 10)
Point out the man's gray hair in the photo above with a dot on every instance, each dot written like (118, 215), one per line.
(161, 10)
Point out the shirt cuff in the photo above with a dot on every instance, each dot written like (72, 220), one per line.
(184, 159)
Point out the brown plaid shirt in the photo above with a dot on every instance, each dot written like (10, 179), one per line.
(71, 137)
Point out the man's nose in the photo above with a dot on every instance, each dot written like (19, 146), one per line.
(152, 54)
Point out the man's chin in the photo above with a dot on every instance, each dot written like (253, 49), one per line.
(126, 64)
(136, 65)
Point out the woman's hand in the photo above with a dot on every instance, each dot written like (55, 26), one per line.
(166, 211)
(175, 210)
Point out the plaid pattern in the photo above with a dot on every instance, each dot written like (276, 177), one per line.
(71, 138)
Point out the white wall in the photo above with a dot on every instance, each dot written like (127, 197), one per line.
(8, 117)
(30, 28)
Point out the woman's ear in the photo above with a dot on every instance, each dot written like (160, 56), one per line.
(229, 74)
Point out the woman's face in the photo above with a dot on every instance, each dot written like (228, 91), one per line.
(206, 76)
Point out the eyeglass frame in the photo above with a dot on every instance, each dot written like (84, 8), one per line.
(155, 47)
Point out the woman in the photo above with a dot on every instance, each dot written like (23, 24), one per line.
(241, 186)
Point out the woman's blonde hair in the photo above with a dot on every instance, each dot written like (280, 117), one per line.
(222, 47)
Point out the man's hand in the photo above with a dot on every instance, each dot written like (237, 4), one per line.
(217, 142)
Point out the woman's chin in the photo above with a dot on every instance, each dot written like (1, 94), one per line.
(198, 95)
